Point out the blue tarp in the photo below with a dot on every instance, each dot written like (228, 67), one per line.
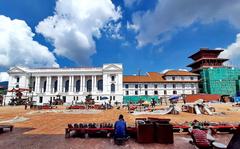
(236, 99)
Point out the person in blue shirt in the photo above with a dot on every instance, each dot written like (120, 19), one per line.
(120, 128)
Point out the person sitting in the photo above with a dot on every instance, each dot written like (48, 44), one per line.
(120, 128)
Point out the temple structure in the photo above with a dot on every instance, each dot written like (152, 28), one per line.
(214, 77)
(206, 58)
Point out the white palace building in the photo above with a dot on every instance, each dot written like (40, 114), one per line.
(67, 83)
(74, 84)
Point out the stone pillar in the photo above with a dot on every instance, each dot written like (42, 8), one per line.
(94, 83)
(37, 84)
(59, 88)
(81, 83)
(35, 87)
(71, 84)
(50, 84)
(84, 83)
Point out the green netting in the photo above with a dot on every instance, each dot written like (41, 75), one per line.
(135, 99)
(223, 81)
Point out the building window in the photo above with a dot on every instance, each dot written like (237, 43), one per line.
(113, 97)
(64, 99)
(97, 97)
(112, 87)
(67, 86)
(165, 92)
(165, 85)
(145, 86)
(33, 87)
(192, 85)
(126, 85)
(55, 86)
(146, 92)
(44, 86)
(18, 79)
(155, 85)
(77, 98)
(136, 85)
(100, 85)
(136, 92)
(182, 78)
(174, 85)
(191, 78)
(40, 99)
(110, 98)
(89, 85)
(113, 78)
(173, 78)
(183, 85)
(17, 86)
(155, 92)
(127, 93)
(78, 86)
(193, 92)
(174, 92)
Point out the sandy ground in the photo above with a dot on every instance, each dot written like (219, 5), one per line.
(46, 129)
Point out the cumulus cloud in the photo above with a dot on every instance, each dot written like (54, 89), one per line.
(232, 52)
(75, 24)
(169, 16)
(4, 76)
(18, 47)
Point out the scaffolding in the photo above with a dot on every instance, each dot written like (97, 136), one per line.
(222, 81)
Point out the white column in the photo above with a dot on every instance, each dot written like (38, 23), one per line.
(94, 83)
(59, 88)
(50, 84)
(36, 81)
(47, 85)
(37, 84)
(84, 83)
(71, 84)
(81, 83)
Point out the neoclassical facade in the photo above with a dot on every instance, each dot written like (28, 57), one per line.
(67, 83)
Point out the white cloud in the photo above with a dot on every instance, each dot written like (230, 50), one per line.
(75, 24)
(133, 27)
(232, 52)
(3, 76)
(169, 16)
(18, 47)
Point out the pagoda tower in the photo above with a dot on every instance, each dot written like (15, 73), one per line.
(206, 58)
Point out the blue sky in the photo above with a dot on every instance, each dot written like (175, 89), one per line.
(146, 35)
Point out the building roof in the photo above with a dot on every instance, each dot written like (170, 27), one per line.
(179, 73)
(206, 50)
(155, 77)
(205, 97)
(210, 59)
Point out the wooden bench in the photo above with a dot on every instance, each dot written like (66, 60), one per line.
(2, 127)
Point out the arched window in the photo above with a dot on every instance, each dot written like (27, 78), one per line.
(89, 85)
(112, 87)
(174, 92)
(67, 86)
(55, 86)
(100, 85)
(44, 86)
(78, 86)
